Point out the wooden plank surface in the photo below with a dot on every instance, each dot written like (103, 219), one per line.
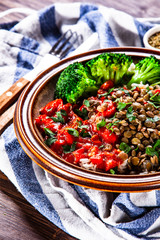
(18, 219)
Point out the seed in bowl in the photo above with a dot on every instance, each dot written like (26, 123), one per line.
(154, 40)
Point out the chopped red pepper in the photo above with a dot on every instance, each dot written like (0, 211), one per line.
(43, 121)
(110, 110)
(157, 91)
(108, 136)
(64, 138)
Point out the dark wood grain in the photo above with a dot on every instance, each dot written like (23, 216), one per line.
(18, 219)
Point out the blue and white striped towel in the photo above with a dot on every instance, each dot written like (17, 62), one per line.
(83, 213)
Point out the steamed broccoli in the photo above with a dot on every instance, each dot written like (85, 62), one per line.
(74, 82)
(109, 66)
(146, 70)
(78, 79)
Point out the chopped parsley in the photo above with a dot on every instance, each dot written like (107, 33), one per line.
(69, 148)
(51, 137)
(102, 146)
(124, 90)
(59, 118)
(153, 104)
(73, 132)
(112, 171)
(129, 114)
(154, 150)
(101, 124)
(83, 114)
(124, 147)
(110, 125)
(154, 98)
(63, 112)
(122, 105)
(86, 103)
(84, 134)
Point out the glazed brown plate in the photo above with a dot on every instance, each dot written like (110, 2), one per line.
(40, 92)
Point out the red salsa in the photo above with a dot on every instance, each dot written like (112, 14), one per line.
(78, 133)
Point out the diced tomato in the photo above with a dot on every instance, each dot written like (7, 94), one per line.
(108, 136)
(137, 89)
(57, 148)
(81, 145)
(97, 160)
(52, 107)
(44, 122)
(157, 91)
(96, 140)
(78, 154)
(64, 138)
(107, 85)
(93, 151)
(84, 140)
(110, 110)
(110, 163)
(67, 107)
(69, 157)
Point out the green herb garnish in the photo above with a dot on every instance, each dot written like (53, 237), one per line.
(102, 146)
(124, 90)
(63, 112)
(153, 104)
(110, 125)
(83, 126)
(86, 103)
(59, 118)
(101, 124)
(83, 114)
(155, 98)
(84, 134)
(112, 171)
(73, 132)
(129, 114)
(122, 105)
(49, 141)
(69, 148)
(48, 132)
(155, 150)
(125, 147)
(51, 137)
(79, 123)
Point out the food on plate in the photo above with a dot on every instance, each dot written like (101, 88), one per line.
(116, 128)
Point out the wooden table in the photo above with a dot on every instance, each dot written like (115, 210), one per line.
(18, 219)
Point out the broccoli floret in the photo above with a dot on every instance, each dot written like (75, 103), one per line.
(74, 82)
(146, 71)
(78, 80)
(109, 66)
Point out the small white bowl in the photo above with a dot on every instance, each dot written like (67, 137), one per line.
(148, 34)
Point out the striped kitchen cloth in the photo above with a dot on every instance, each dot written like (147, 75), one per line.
(81, 212)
